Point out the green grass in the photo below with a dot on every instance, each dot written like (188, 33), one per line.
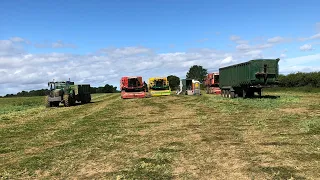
(169, 137)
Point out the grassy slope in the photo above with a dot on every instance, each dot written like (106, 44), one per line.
(183, 137)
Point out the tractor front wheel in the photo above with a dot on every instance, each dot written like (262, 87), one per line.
(48, 103)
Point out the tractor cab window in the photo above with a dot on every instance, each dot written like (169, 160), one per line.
(52, 86)
(60, 85)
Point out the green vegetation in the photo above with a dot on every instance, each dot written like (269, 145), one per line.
(197, 72)
(171, 137)
(174, 82)
(42, 92)
(308, 80)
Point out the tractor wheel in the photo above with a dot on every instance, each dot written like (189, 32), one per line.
(222, 93)
(48, 103)
(67, 100)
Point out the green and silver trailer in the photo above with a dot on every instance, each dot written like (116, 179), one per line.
(68, 93)
(244, 79)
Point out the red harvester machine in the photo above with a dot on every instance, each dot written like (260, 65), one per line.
(212, 83)
(132, 87)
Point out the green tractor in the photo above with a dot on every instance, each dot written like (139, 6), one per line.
(68, 93)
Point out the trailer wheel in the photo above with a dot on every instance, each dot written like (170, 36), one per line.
(232, 94)
(229, 94)
(223, 93)
(244, 93)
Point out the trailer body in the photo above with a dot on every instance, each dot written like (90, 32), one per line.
(244, 79)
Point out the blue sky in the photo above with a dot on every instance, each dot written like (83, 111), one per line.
(99, 41)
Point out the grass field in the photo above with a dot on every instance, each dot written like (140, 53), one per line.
(174, 137)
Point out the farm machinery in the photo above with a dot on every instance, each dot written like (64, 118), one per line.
(244, 79)
(212, 83)
(68, 93)
(189, 87)
(159, 86)
(133, 87)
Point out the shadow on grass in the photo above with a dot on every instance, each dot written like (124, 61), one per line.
(264, 97)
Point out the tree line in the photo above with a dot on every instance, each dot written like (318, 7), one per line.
(43, 92)
(300, 79)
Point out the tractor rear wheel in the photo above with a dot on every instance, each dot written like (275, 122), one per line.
(66, 100)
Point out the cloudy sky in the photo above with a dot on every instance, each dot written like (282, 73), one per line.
(97, 42)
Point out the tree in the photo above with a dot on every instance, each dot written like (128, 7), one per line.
(174, 82)
(197, 72)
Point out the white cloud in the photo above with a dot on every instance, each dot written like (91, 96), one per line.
(202, 40)
(244, 47)
(316, 36)
(227, 60)
(255, 54)
(238, 40)
(19, 40)
(58, 44)
(283, 55)
(234, 38)
(306, 47)
(125, 51)
(276, 39)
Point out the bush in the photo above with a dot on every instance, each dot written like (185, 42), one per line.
(300, 79)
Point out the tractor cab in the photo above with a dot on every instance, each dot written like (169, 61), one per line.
(59, 85)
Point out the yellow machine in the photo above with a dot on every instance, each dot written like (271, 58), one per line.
(159, 86)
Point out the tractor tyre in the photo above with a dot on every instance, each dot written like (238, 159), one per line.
(48, 103)
(67, 100)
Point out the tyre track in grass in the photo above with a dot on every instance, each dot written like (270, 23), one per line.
(81, 149)
(34, 136)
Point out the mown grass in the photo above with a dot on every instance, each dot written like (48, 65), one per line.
(14, 104)
(173, 137)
